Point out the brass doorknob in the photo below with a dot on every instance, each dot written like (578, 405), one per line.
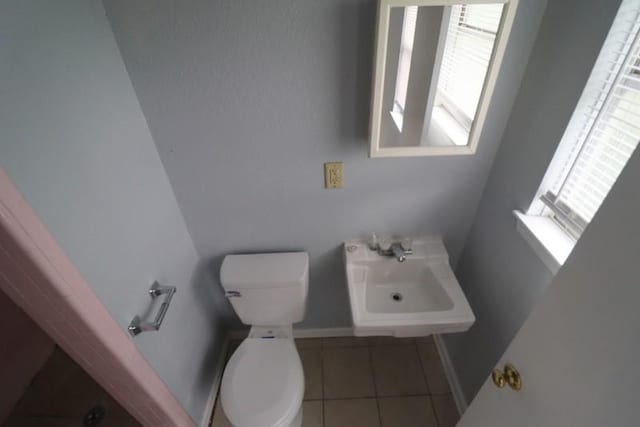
(509, 375)
(498, 378)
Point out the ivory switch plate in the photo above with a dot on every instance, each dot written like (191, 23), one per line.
(333, 175)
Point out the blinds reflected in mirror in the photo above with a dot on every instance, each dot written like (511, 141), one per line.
(470, 39)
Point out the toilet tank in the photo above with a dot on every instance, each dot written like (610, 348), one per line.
(267, 289)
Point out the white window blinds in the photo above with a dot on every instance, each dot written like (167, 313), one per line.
(468, 48)
(605, 127)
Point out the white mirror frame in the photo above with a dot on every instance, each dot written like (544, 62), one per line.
(382, 31)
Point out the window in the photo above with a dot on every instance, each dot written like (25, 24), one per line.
(602, 133)
(470, 38)
(404, 63)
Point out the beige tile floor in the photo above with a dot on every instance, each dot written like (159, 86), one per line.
(371, 382)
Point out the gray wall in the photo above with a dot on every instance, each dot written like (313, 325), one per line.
(500, 274)
(247, 99)
(74, 140)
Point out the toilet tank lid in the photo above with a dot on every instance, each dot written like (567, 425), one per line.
(283, 269)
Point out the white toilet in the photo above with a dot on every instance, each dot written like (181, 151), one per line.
(263, 383)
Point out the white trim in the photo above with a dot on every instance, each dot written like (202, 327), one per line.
(450, 150)
(213, 394)
(456, 133)
(240, 334)
(395, 3)
(398, 119)
(452, 376)
(547, 239)
(380, 59)
(323, 333)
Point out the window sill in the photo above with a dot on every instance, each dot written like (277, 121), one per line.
(458, 135)
(397, 119)
(546, 238)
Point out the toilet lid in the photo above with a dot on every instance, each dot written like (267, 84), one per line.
(263, 383)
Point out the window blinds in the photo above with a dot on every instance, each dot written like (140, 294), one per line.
(468, 48)
(605, 128)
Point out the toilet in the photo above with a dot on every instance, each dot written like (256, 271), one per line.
(263, 382)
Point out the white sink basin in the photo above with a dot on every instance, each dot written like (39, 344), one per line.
(417, 297)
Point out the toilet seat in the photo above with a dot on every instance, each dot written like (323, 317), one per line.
(263, 383)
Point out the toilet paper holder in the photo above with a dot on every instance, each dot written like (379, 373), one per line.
(139, 324)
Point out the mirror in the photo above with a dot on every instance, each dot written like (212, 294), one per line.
(435, 70)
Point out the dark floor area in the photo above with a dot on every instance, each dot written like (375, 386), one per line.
(62, 394)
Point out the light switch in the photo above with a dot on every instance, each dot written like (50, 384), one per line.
(333, 175)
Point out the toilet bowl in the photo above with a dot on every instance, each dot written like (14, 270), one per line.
(263, 382)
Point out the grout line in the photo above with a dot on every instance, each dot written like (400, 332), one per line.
(424, 374)
(433, 408)
(395, 396)
(426, 380)
(375, 385)
(369, 345)
(424, 370)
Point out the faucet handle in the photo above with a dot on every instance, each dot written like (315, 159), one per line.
(406, 243)
(384, 243)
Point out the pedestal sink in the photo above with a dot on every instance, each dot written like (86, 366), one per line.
(417, 297)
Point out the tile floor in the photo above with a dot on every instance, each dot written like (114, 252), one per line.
(371, 382)
(61, 394)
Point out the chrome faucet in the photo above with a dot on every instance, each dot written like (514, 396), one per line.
(399, 250)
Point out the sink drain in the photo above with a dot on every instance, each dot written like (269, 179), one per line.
(396, 296)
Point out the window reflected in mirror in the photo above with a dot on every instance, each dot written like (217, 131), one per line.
(471, 34)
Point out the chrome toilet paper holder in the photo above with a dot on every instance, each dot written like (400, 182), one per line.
(138, 324)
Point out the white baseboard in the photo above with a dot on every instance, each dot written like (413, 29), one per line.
(213, 395)
(452, 376)
(323, 333)
(302, 333)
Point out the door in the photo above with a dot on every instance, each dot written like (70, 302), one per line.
(579, 351)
